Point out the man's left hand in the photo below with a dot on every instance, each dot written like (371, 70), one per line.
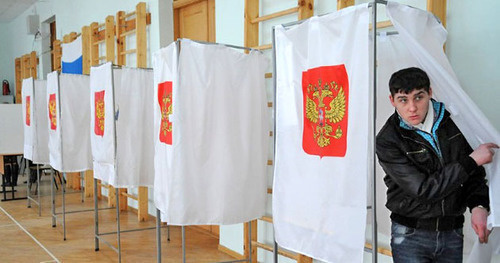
(479, 221)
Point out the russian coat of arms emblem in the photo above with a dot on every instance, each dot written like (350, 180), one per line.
(165, 101)
(52, 111)
(325, 99)
(99, 113)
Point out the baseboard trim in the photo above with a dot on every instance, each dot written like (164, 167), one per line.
(231, 252)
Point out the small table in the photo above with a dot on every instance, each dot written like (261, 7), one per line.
(2, 172)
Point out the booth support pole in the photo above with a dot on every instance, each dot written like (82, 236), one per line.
(96, 218)
(183, 244)
(275, 246)
(64, 204)
(374, 131)
(158, 236)
(38, 190)
(82, 174)
(118, 224)
(52, 198)
(28, 187)
(250, 241)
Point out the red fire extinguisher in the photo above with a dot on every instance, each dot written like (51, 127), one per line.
(5, 87)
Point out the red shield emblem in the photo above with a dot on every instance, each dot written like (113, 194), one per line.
(99, 113)
(326, 98)
(28, 112)
(52, 111)
(165, 101)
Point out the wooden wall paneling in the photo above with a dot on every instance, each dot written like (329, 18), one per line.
(211, 20)
(19, 79)
(304, 259)
(142, 62)
(56, 55)
(344, 3)
(177, 31)
(89, 183)
(251, 35)
(72, 36)
(438, 8)
(140, 34)
(306, 9)
(120, 40)
(25, 64)
(110, 39)
(142, 203)
(86, 50)
(94, 45)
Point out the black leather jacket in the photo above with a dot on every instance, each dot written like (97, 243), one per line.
(421, 184)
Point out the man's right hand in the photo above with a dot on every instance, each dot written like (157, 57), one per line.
(479, 220)
(484, 153)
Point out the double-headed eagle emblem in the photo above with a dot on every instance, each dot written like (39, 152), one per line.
(99, 113)
(52, 111)
(28, 110)
(166, 126)
(322, 115)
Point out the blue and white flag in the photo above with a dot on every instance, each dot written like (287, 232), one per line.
(72, 57)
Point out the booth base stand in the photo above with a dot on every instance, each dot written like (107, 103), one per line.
(99, 237)
(64, 212)
(28, 191)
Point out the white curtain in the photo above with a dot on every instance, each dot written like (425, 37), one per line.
(124, 96)
(165, 74)
(40, 116)
(68, 122)
(134, 121)
(220, 137)
(322, 136)
(28, 102)
(102, 126)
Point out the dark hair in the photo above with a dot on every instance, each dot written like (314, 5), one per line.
(407, 80)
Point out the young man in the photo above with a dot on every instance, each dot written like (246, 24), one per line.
(432, 174)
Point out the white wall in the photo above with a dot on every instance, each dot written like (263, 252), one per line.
(4, 51)
(473, 49)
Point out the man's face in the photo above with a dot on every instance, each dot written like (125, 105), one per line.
(412, 107)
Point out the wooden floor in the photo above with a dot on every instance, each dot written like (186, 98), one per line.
(27, 237)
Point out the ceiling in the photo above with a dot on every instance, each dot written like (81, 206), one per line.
(10, 9)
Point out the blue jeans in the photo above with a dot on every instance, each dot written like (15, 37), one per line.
(410, 245)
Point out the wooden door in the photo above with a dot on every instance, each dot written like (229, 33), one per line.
(195, 19)
(53, 38)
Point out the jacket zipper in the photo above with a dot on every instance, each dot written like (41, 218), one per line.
(414, 152)
(442, 163)
(427, 146)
